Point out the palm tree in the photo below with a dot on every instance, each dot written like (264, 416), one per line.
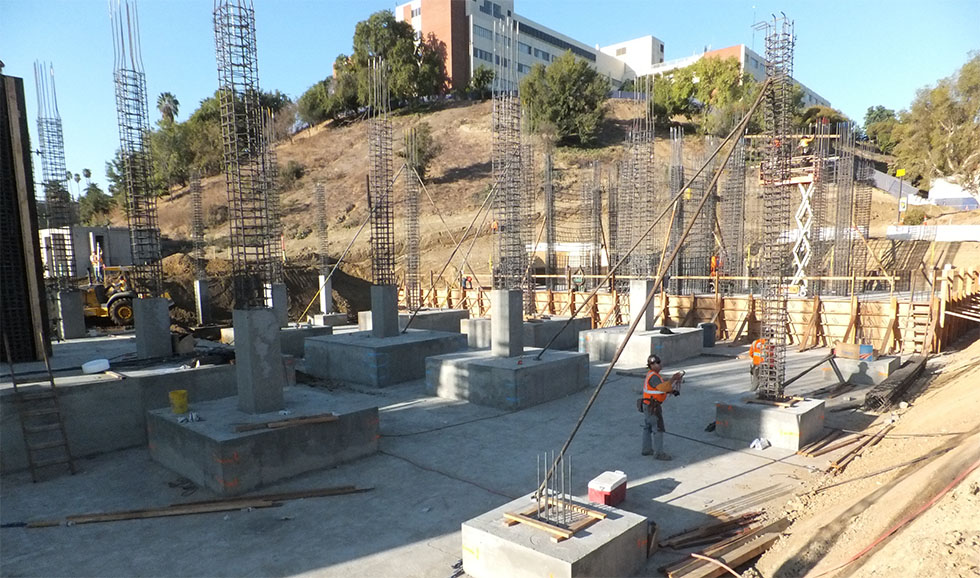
(88, 176)
(168, 105)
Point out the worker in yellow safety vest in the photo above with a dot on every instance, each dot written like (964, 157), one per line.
(756, 353)
(655, 391)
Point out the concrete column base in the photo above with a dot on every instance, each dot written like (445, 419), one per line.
(384, 310)
(152, 319)
(506, 323)
(202, 300)
(278, 300)
(326, 295)
(639, 289)
(71, 314)
(258, 360)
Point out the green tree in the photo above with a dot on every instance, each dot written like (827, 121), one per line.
(480, 82)
(88, 175)
(879, 126)
(168, 105)
(171, 155)
(384, 37)
(431, 78)
(94, 206)
(938, 135)
(568, 96)
(313, 104)
(821, 113)
(426, 149)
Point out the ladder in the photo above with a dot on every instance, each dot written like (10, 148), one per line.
(41, 422)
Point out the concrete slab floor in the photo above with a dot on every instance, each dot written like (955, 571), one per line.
(441, 462)
(74, 352)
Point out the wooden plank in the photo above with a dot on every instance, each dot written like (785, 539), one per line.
(169, 511)
(853, 438)
(555, 531)
(726, 546)
(328, 417)
(812, 326)
(735, 558)
(285, 496)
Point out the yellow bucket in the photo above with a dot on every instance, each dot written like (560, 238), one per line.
(178, 401)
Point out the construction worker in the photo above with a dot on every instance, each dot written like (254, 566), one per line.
(805, 144)
(96, 260)
(655, 391)
(756, 353)
(714, 265)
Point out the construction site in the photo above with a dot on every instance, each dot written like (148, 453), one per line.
(468, 371)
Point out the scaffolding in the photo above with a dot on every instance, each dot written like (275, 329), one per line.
(197, 225)
(510, 259)
(413, 297)
(843, 232)
(733, 216)
(253, 252)
(55, 178)
(134, 129)
(775, 172)
(380, 176)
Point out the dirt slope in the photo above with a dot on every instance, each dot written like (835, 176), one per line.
(944, 541)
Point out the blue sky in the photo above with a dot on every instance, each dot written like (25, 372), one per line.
(854, 53)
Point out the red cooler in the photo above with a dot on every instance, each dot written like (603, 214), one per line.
(608, 489)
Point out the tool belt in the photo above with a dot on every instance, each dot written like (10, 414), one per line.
(642, 405)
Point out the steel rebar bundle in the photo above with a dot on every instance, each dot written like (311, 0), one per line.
(379, 178)
(273, 203)
(554, 500)
(253, 251)
(637, 179)
(551, 228)
(775, 170)
(591, 226)
(413, 297)
(510, 263)
(197, 225)
(733, 215)
(55, 178)
(320, 212)
(134, 130)
(843, 232)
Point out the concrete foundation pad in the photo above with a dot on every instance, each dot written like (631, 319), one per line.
(359, 357)
(152, 320)
(292, 339)
(71, 314)
(331, 319)
(431, 319)
(601, 344)
(788, 428)
(506, 382)
(613, 546)
(211, 454)
(865, 372)
(537, 332)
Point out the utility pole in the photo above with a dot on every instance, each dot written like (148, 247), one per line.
(900, 173)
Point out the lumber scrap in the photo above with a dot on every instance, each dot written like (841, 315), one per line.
(711, 531)
(285, 496)
(817, 444)
(842, 443)
(324, 418)
(173, 510)
(839, 465)
(733, 551)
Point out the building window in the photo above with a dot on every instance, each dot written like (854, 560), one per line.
(483, 54)
(542, 55)
(620, 51)
(482, 32)
(525, 48)
(661, 48)
(523, 68)
(557, 42)
(416, 12)
(501, 61)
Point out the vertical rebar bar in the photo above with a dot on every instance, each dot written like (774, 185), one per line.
(134, 129)
(733, 215)
(551, 228)
(322, 227)
(843, 232)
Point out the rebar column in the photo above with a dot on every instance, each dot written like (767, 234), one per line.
(379, 179)
(551, 228)
(320, 214)
(590, 224)
(843, 232)
(733, 216)
(676, 181)
(528, 194)
(776, 203)
(638, 181)
(134, 130)
(55, 180)
(197, 225)
(861, 220)
(511, 256)
(822, 206)
(253, 253)
(273, 203)
(413, 298)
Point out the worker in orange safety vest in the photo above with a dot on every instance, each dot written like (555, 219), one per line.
(756, 353)
(655, 391)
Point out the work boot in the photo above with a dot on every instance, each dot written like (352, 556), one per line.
(647, 452)
(663, 456)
